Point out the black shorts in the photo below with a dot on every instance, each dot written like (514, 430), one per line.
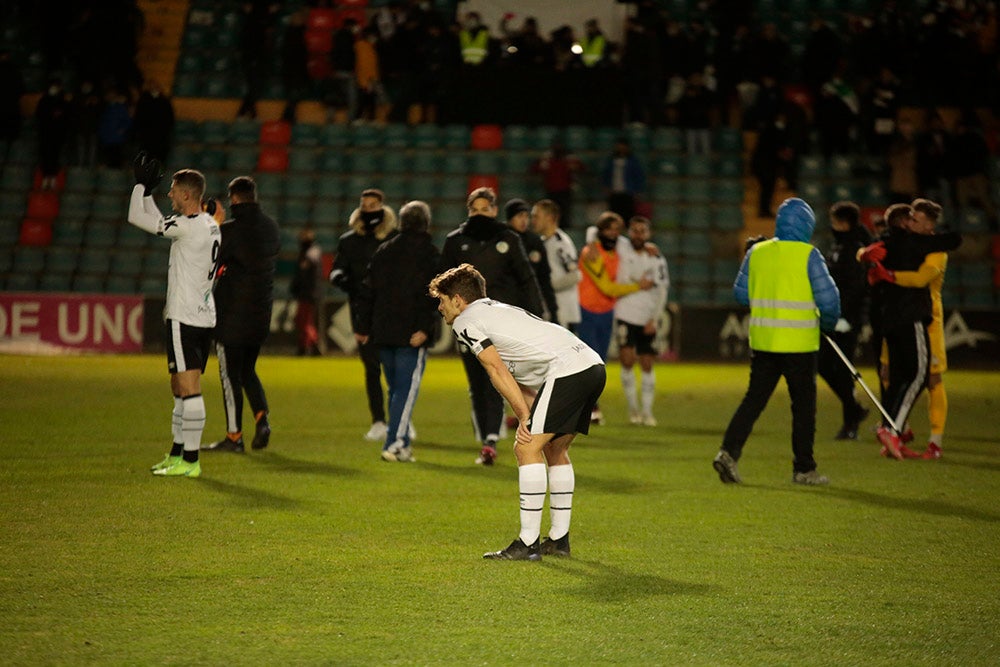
(564, 405)
(187, 347)
(633, 335)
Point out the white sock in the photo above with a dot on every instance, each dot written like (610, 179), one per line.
(177, 420)
(561, 484)
(936, 438)
(531, 483)
(648, 391)
(194, 422)
(628, 386)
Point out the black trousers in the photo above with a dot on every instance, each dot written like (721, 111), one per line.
(487, 403)
(766, 368)
(832, 369)
(373, 380)
(909, 365)
(238, 373)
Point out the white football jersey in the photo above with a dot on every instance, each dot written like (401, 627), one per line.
(194, 249)
(645, 305)
(565, 275)
(533, 349)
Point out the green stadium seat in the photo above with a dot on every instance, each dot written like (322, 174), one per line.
(157, 261)
(396, 162)
(485, 162)
(356, 184)
(426, 162)
(397, 136)
(300, 186)
(13, 205)
(454, 188)
(68, 233)
(425, 186)
(10, 232)
(88, 283)
(668, 139)
(55, 282)
(335, 136)
(61, 260)
(698, 190)
(728, 140)
(729, 191)
(517, 162)
(22, 282)
(696, 244)
(130, 236)
(75, 205)
(327, 239)
(16, 178)
(307, 134)
(426, 136)
(455, 162)
(840, 167)
(187, 85)
(396, 188)
(729, 166)
(576, 138)
(873, 193)
(517, 137)
(839, 191)
(219, 86)
(121, 285)
(456, 136)
(698, 165)
(212, 159)
(667, 189)
(671, 166)
(729, 217)
(303, 160)
(126, 263)
(812, 167)
(365, 162)
(241, 159)
(295, 213)
(333, 161)
(449, 214)
(692, 271)
(366, 136)
(80, 179)
(270, 186)
(107, 207)
(813, 192)
(100, 234)
(723, 271)
(116, 181)
(331, 186)
(152, 285)
(190, 62)
(94, 261)
(696, 218)
(196, 38)
(244, 132)
(214, 132)
(329, 214)
(186, 131)
(984, 298)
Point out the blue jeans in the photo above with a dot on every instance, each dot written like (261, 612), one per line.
(403, 368)
(595, 330)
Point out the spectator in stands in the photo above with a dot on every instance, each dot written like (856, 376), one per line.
(836, 114)
(52, 116)
(883, 105)
(564, 47)
(11, 90)
(368, 78)
(114, 129)
(306, 289)
(902, 160)
(474, 40)
(259, 18)
(770, 53)
(969, 160)
(594, 45)
(154, 121)
(87, 106)
(441, 54)
(623, 178)
(343, 60)
(772, 157)
(822, 53)
(294, 64)
(695, 111)
(524, 47)
(932, 151)
(641, 74)
(558, 169)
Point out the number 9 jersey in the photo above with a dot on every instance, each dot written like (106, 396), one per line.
(194, 249)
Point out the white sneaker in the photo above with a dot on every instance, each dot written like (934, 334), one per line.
(596, 417)
(412, 432)
(648, 420)
(377, 432)
(397, 452)
(635, 419)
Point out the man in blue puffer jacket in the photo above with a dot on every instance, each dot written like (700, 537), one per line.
(791, 295)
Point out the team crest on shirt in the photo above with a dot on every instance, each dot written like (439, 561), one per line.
(503, 247)
(535, 256)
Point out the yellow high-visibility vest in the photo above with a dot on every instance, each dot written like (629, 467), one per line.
(593, 50)
(473, 48)
(783, 314)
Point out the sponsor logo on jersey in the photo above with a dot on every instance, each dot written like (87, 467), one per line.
(502, 247)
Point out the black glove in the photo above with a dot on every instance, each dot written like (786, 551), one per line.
(338, 278)
(211, 205)
(148, 172)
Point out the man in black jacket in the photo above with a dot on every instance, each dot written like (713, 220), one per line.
(371, 223)
(243, 299)
(849, 235)
(397, 315)
(496, 251)
(518, 215)
(906, 312)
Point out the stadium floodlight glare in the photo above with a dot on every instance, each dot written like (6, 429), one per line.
(576, 48)
(857, 376)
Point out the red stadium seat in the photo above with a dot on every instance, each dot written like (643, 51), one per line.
(353, 3)
(319, 41)
(272, 159)
(43, 205)
(356, 13)
(321, 19)
(275, 133)
(487, 137)
(799, 95)
(869, 214)
(35, 232)
(484, 181)
(319, 67)
(60, 180)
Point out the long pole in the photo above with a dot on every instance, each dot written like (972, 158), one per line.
(857, 376)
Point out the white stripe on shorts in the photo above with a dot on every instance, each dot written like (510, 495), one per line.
(175, 341)
(540, 411)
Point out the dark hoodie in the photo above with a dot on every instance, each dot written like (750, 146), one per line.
(850, 276)
(497, 252)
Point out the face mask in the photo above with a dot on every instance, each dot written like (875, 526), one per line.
(372, 219)
(480, 219)
(607, 244)
(305, 245)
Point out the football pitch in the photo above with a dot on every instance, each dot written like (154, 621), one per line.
(315, 551)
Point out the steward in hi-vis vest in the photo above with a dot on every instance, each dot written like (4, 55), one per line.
(792, 297)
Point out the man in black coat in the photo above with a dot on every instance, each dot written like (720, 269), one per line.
(518, 215)
(398, 316)
(371, 223)
(243, 300)
(498, 254)
(849, 236)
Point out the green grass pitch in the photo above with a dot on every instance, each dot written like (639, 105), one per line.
(317, 552)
